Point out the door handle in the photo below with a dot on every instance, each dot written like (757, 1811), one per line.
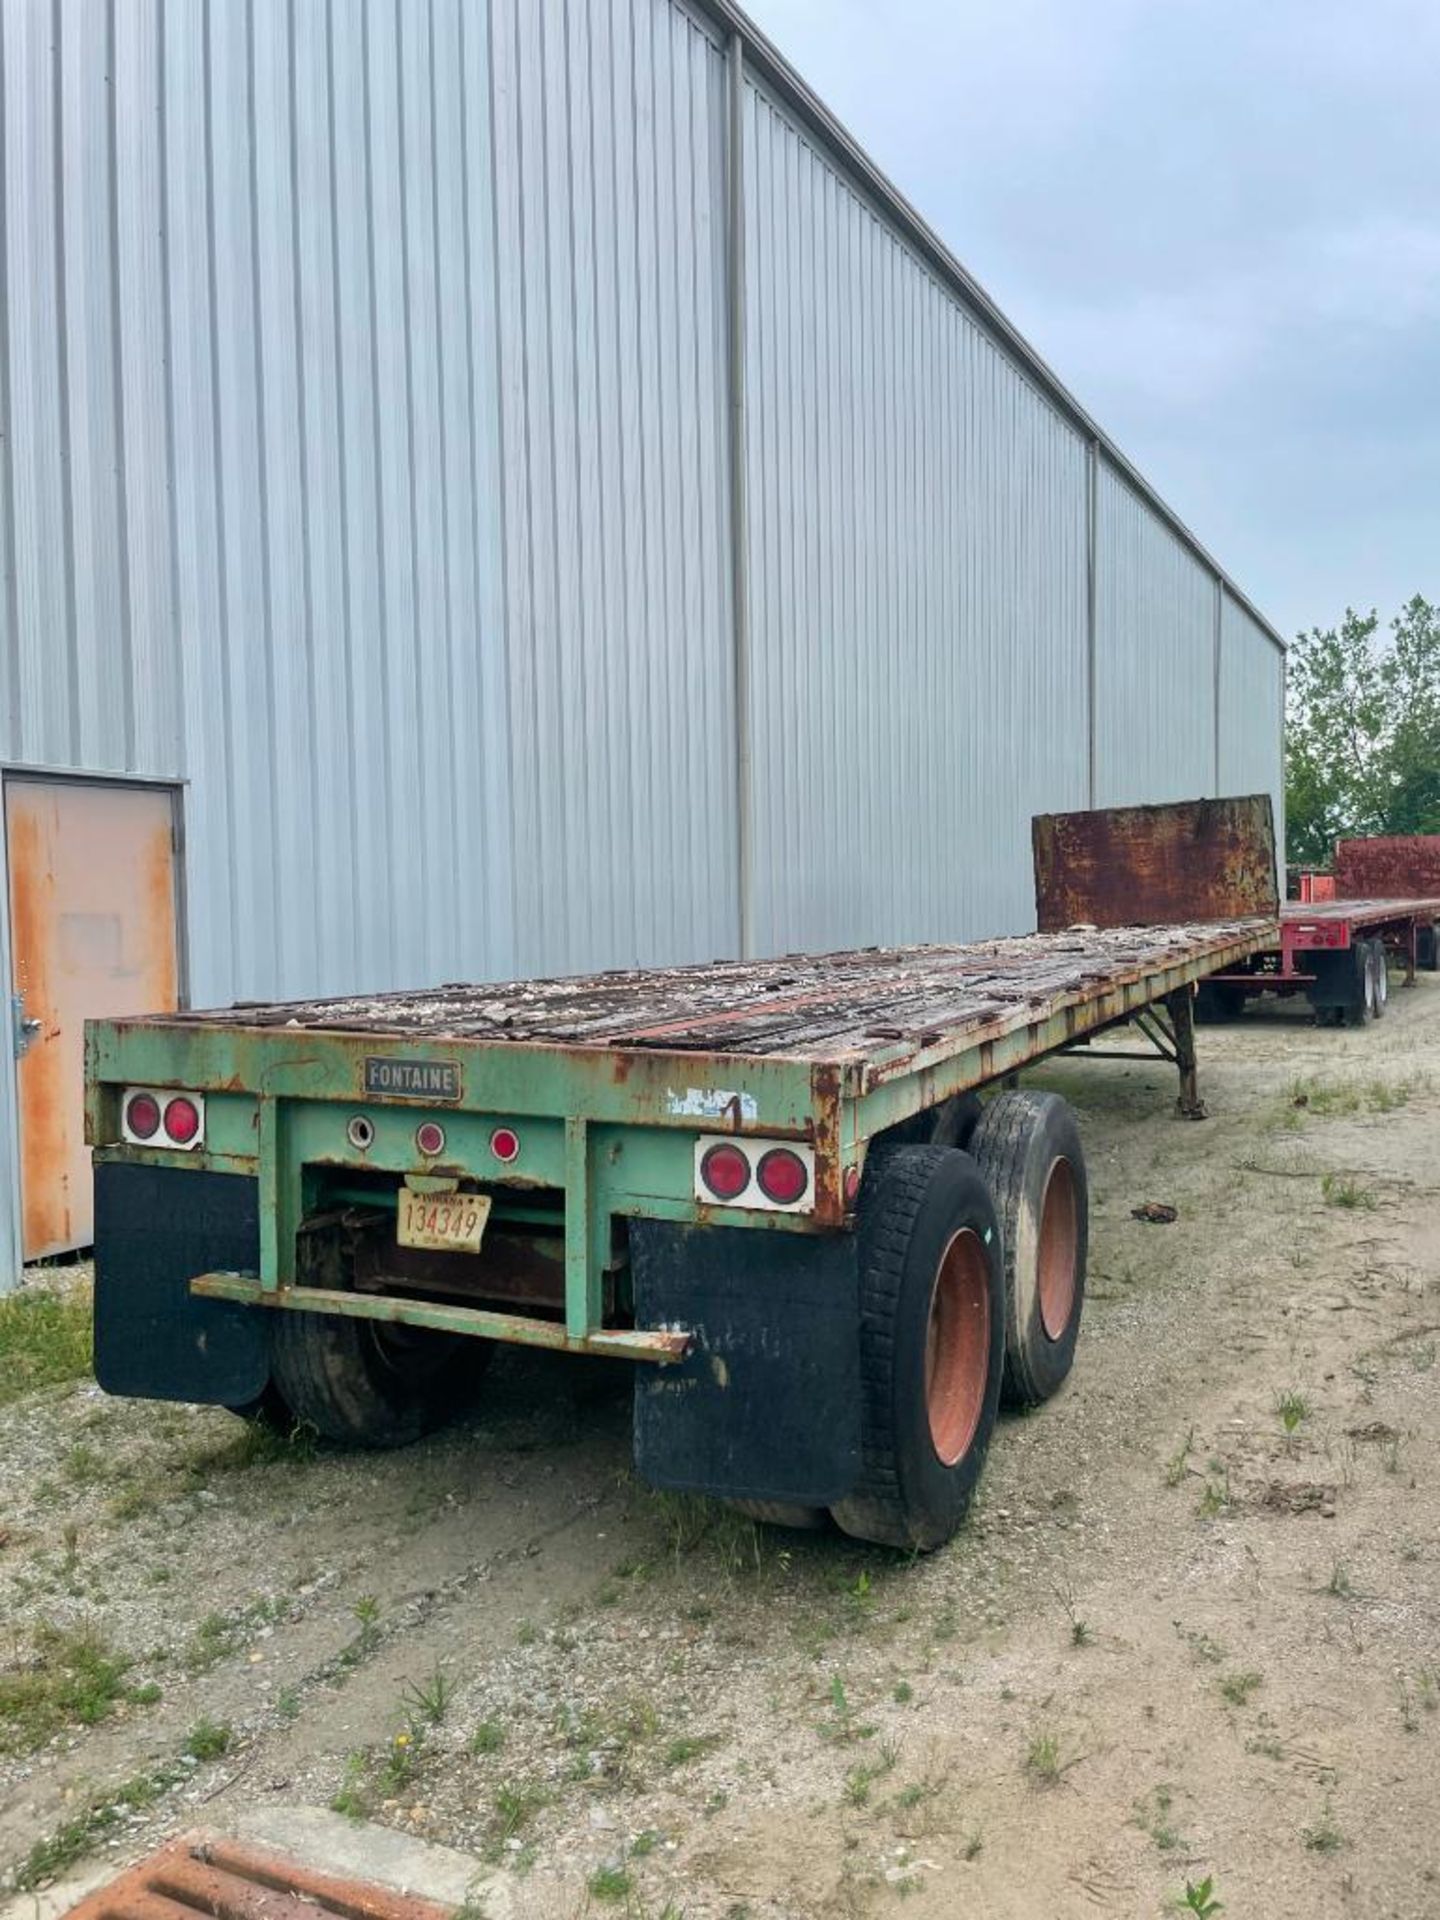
(26, 1032)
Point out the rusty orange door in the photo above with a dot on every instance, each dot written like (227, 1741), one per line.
(92, 932)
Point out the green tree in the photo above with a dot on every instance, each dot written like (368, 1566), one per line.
(1362, 734)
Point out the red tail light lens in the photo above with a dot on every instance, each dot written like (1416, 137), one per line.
(142, 1115)
(182, 1119)
(783, 1176)
(505, 1144)
(725, 1172)
(430, 1138)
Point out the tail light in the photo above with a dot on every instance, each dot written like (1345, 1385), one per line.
(724, 1172)
(156, 1117)
(783, 1176)
(770, 1176)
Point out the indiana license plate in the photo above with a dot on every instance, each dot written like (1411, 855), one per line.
(443, 1222)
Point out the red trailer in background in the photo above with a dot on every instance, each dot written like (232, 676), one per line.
(1381, 901)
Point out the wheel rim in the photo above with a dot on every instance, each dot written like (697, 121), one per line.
(1058, 1254)
(1382, 976)
(957, 1346)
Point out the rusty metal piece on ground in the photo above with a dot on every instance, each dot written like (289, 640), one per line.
(1188, 861)
(1388, 867)
(205, 1874)
(1158, 1213)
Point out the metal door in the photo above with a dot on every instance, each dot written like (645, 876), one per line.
(92, 932)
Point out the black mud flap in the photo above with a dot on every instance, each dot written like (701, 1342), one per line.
(155, 1228)
(766, 1406)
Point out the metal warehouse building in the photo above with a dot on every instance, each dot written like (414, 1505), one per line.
(492, 486)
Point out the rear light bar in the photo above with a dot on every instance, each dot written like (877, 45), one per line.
(768, 1176)
(161, 1117)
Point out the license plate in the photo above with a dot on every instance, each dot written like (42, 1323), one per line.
(443, 1222)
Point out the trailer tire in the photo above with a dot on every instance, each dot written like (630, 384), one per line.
(782, 1513)
(1028, 1148)
(1427, 947)
(365, 1384)
(1381, 961)
(1359, 1007)
(932, 1344)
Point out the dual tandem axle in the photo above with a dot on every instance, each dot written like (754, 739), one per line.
(772, 1186)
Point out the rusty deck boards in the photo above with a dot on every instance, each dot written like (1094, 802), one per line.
(834, 1007)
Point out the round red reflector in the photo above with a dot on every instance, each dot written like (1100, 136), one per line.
(852, 1185)
(725, 1171)
(505, 1144)
(783, 1176)
(142, 1115)
(430, 1137)
(182, 1120)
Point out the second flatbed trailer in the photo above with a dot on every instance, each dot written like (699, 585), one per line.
(771, 1185)
(1337, 952)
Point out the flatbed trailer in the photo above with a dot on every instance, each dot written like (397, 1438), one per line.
(770, 1184)
(1337, 952)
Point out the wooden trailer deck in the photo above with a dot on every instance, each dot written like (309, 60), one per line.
(836, 1008)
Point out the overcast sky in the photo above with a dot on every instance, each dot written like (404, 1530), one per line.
(1218, 220)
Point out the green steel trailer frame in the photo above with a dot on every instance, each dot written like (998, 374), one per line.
(251, 1164)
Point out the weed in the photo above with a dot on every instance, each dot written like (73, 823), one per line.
(903, 1694)
(428, 1701)
(972, 1845)
(863, 1775)
(366, 1610)
(1200, 1900)
(208, 1739)
(400, 1757)
(1042, 1760)
(1238, 1687)
(610, 1883)
(1216, 1498)
(516, 1804)
(1080, 1635)
(287, 1703)
(1340, 1190)
(351, 1798)
(1292, 1408)
(1324, 1836)
(1178, 1465)
(526, 1634)
(45, 1340)
(688, 1747)
(488, 1737)
(1338, 1585)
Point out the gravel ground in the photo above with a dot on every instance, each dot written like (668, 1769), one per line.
(1192, 1628)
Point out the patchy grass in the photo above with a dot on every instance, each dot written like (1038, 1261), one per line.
(70, 1676)
(1324, 1836)
(1342, 1190)
(208, 1739)
(101, 1815)
(45, 1340)
(1238, 1687)
(1291, 1409)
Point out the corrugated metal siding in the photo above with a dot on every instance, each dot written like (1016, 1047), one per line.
(610, 162)
(248, 480)
(917, 539)
(250, 486)
(1155, 656)
(1252, 700)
